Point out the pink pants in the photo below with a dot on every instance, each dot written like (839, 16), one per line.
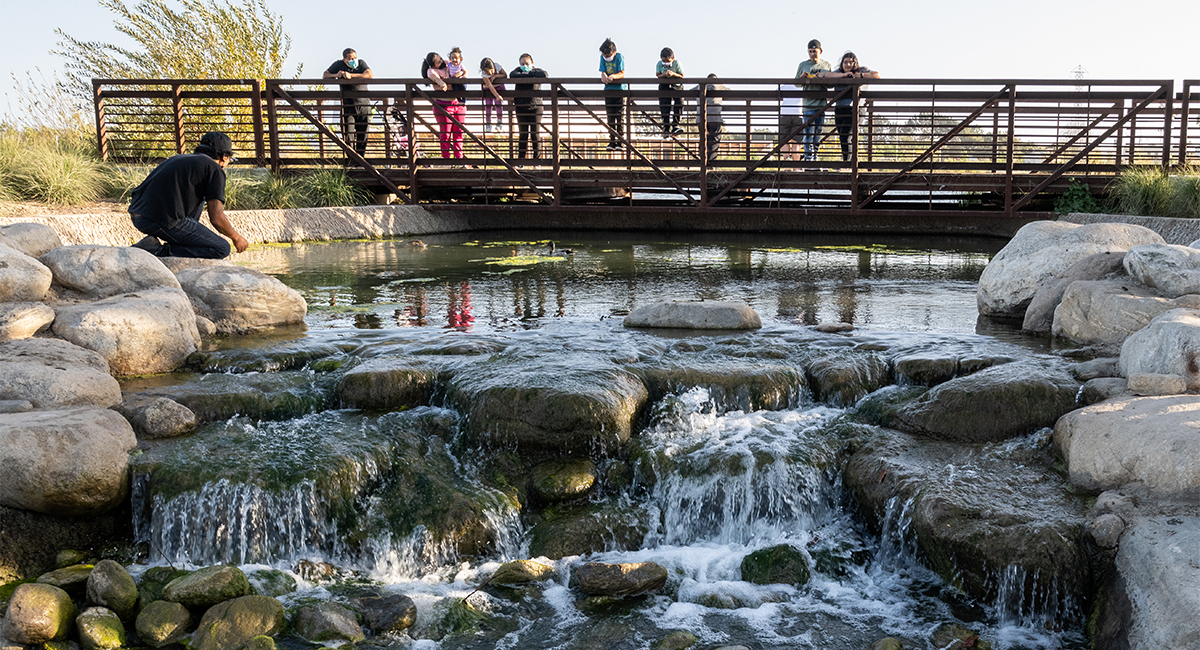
(450, 134)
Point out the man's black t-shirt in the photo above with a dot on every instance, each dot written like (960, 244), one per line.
(178, 189)
(340, 66)
(536, 73)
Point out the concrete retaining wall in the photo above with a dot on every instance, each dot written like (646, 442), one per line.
(1175, 231)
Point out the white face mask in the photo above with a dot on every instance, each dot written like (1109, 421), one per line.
(608, 58)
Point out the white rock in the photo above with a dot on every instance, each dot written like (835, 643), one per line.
(103, 271)
(1039, 316)
(1043, 250)
(695, 314)
(1154, 440)
(140, 333)
(240, 299)
(1159, 563)
(49, 374)
(68, 462)
(22, 278)
(1195, 244)
(1173, 270)
(1107, 311)
(33, 239)
(1168, 345)
(21, 320)
(1149, 383)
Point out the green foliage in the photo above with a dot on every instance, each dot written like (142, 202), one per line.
(321, 188)
(1154, 191)
(1077, 198)
(54, 168)
(1185, 193)
(331, 187)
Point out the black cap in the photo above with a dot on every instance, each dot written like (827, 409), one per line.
(218, 142)
(814, 44)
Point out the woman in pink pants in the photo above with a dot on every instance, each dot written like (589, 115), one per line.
(445, 107)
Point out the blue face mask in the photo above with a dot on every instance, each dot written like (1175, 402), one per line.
(352, 63)
(526, 68)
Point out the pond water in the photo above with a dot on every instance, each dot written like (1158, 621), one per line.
(313, 484)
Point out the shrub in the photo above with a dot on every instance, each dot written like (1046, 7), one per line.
(1185, 194)
(1077, 198)
(1142, 191)
(331, 188)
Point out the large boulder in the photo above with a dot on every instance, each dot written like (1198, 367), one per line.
(98, 272)
(232, 624)
(32, 239)
(238, 299)
(110, 585)
(138, 333)
(1043, 250)
(100, 629)
(1105, 312)
(993, 404)
(1168, 345)
(327, 622)
(1172, 270)
(390, 613)
(695, 314)
(1152, 440)
(162, 622)
(1158, 565)
(38, 613)
(157, 417)
(21, 320)
(49, 373)
(68, 462)
(22, 278)
(628, 579)
(519, 572)
(1039, 316)
(207, 587)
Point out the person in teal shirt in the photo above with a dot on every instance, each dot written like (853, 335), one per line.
(612, 71)
(813, 107)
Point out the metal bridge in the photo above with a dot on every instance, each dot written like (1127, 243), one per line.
(956, 150)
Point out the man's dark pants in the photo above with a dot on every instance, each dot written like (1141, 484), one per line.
(189, 238)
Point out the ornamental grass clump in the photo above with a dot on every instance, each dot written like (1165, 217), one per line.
(332, 188)
(1156, 192)
(1185, 193)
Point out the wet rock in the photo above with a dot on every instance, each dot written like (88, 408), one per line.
(207, 587)
(781, 564)
(992, 404)
(677, 640)
(157, 417)
(231, 625)
(22, 278)
(1108, 311)
(888, 643)
(1148, 439)
(952, 636)
(731, 384)
(71, 579)
(206, 328)
(49, 373)
(520, 572)
(628, 579)
(266, 396)
(1096, 368)
(327, 622)
(260, 642)
(970, 365)
(1039, 316)
(1100, 389)
(21, 320)
(1159, 567)
(270, 582)
(38, 613)
(69, 557)
(843, 380)
(1169, 344)
(99, 272)
(458, 345)
(32, 239)
(834, 328)
(109, 585)
(579, 407)
(1147, 383)
(137, 333)
(974, 509)
(100, 629)
(568, 531)
(29, 540)
(1106, 530)
(69, 462)
(924, 370)
(15, 406)
(563, 480)
(694, 314)
(238, 299)
(162, 623)
(152, 582)
(1173, 270)
(315, 571)
(292, 356)
(390, 613)
(387, 383)
(1043, 250)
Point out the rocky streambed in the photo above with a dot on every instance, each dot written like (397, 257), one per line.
(587, 484)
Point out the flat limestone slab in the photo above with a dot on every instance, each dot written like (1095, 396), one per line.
(695, 314)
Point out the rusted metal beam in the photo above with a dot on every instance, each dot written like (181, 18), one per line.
(101, 122)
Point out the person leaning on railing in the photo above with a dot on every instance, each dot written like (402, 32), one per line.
(355, 110)
(528, 110)
(843, 110)
(714, 121)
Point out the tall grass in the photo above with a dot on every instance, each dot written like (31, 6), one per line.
(50, 167)
(1156, 192)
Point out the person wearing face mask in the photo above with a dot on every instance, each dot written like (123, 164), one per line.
(612, 71)
(528, 110)
(355, 110)
(813, 108)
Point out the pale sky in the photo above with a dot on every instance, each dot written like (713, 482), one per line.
(1149, 39)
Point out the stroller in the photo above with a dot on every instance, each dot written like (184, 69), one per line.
(400, 132)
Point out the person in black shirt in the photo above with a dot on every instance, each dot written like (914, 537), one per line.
(167, 205)
(528, 110)
(355, 110)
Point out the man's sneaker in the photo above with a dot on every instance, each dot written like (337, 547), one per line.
(676, 131)
(150, 244)
(613, 146)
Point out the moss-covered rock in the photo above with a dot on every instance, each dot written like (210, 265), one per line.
(732, 384)
(162, 622)
(270, 582)
(207, 587)
(592, 528)
(520, 572)
(68, 557)
(924, 369)
(390, 613)
(563, 479)
(843, 379)
(262, 396)
(952, 636)
(388, 383)
(152, 581)
(110, 585)
(677, 640)
(327, 622)
(782, 564)
(231, 625)
(261, 359)
(38, 613)
(72, 579)
(100, 629)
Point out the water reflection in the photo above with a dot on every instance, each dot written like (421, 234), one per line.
(508, 281)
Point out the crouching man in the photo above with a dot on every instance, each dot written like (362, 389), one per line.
(167, 205)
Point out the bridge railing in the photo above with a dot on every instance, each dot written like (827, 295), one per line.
(1031, 132)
